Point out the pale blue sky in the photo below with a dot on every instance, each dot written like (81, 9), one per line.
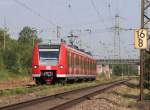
(76, 15)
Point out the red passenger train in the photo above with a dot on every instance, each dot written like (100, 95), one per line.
(52, 63)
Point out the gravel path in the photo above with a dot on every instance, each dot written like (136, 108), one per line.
(120, 98)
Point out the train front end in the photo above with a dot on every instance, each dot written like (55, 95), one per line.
(45, 63)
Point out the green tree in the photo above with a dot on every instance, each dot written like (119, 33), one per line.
(125, 69)
(26, 39)
(4, 36)
(117, 70)
(27, 35)
(25, 58)
(10, 60)
(16, 57)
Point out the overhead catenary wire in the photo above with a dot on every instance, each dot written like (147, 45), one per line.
(74, 17)
(34, 12)
(109, 8)
(97, 12)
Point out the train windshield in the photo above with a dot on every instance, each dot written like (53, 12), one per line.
(48, 56)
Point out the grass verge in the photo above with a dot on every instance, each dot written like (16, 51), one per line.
(52, 89)
(7, 76)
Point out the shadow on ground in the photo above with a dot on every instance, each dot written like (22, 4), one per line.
(108, 100)
(131, 85)
(126, 95)
(147, 96)
(145, 105)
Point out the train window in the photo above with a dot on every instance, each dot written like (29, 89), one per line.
(87, 63)
(92, 65)
(48, 54)
(48, 57)
(77, 60)
(82, 62)
(46, 46)
(74, 59)
(68, 58)
(72, 56)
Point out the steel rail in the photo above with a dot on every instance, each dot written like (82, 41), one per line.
(86, 97)
(63, 100)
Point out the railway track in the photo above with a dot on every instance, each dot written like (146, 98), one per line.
(63, 100)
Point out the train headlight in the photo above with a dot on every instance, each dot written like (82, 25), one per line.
(61, 66)
(35, 66)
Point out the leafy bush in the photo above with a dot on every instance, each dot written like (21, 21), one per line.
(16, 57)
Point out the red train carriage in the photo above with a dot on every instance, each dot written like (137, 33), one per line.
(60, 63)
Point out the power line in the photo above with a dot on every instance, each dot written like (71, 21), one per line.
(75, 18)
(109, 8)
(98, 13)
(34, 12)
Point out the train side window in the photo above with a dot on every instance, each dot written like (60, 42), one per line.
(82, 62)
(74, 59)
(86, 64)
(89, 64)
(79, 61)
(92, 65)
(70, 60)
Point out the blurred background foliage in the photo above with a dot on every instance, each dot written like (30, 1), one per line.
(16, 54)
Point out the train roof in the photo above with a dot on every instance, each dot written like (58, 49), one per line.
(49, 46)
(81, 51)
(57, 46)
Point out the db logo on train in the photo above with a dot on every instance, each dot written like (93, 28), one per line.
(140, 39)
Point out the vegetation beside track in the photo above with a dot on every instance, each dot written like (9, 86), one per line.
(52, 89)
(8, 76)
(22, 94)
(16, 54)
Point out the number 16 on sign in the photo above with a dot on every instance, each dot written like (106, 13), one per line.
(140, 39)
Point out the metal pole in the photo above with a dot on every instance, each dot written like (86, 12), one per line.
(142, 53)
(122, 72)
(4, 38)
(128, 69)
(58, 32)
